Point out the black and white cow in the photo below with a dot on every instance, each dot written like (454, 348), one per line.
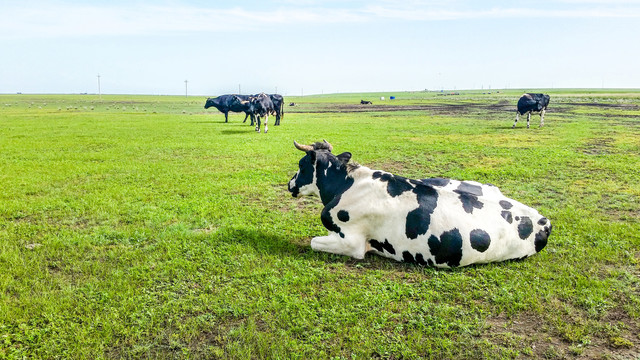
(437, 222)
(529, 103)
(262, 106)
(365, 102)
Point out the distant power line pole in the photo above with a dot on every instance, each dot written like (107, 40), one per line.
(185, 88)
(99, 93)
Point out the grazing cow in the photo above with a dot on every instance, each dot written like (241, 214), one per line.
(226, 103)
(262, 106)
(278, 106)
(437, 222)
(529, 103)
(292, 104)
(365, 102)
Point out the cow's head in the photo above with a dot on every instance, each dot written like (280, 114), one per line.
(210, 102)
(314, 167)
(236, 101)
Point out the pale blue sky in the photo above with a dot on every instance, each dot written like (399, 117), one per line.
(309, 46)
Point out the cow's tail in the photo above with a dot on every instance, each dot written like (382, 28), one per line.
(282, 109)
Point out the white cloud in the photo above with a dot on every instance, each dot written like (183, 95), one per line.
(47, 20)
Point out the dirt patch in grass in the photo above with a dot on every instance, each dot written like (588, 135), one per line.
(439, 109)
(540, 340)
(599, 146)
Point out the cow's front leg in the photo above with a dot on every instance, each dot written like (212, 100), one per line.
(258, 123)
(542, 118)
(528, 118)
(266, 119)
(517, 117)
(350, 245)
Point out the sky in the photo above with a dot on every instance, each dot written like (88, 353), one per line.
(302, 47)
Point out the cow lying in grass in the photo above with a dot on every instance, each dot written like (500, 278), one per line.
(437, 222)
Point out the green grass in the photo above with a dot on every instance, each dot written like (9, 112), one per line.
(146, 227)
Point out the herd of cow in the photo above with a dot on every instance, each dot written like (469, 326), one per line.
(263, 105)
(254, 106)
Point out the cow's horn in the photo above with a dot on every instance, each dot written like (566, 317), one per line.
(304, 148)
(329, 145)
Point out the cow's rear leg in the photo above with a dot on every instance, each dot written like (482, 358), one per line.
(528, 118)
(258, 123)
(542, 118)
(517, 117)
(266, 128)
(350, 245)
(226, 117)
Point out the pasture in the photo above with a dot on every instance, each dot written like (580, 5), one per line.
(146, 227)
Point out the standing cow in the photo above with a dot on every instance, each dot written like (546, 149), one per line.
(278, 107)
(262, 106)
(226, 103)
(437, 222)
(529, 103)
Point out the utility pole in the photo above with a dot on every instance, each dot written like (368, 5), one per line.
(99, 93)
(185, 88)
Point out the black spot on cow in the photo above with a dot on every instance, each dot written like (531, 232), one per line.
(541, 237)
(505, 204)
(386, 246)
(327, 219)
(525, 228)
(419, 219)
(420, 259)
(507, 216)
(541, 240)
(430, 262)
(468, 194)
(469, 201)
(407, 257)
(436, 182)
(447, 249)
(542, 221)
(480, 240)
(396, 185)
(343, 215)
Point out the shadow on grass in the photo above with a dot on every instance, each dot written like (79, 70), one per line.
(235, 131)
(264, 242)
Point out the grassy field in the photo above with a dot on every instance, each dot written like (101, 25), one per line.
(146, 227)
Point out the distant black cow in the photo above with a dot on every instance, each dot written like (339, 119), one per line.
(226, 103)
(365, 102)
(529, 103)
(278, 106)
(292, 104)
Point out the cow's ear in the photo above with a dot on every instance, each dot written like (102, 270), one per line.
(344, 157)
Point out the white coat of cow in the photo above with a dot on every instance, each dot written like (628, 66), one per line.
(437, 222)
